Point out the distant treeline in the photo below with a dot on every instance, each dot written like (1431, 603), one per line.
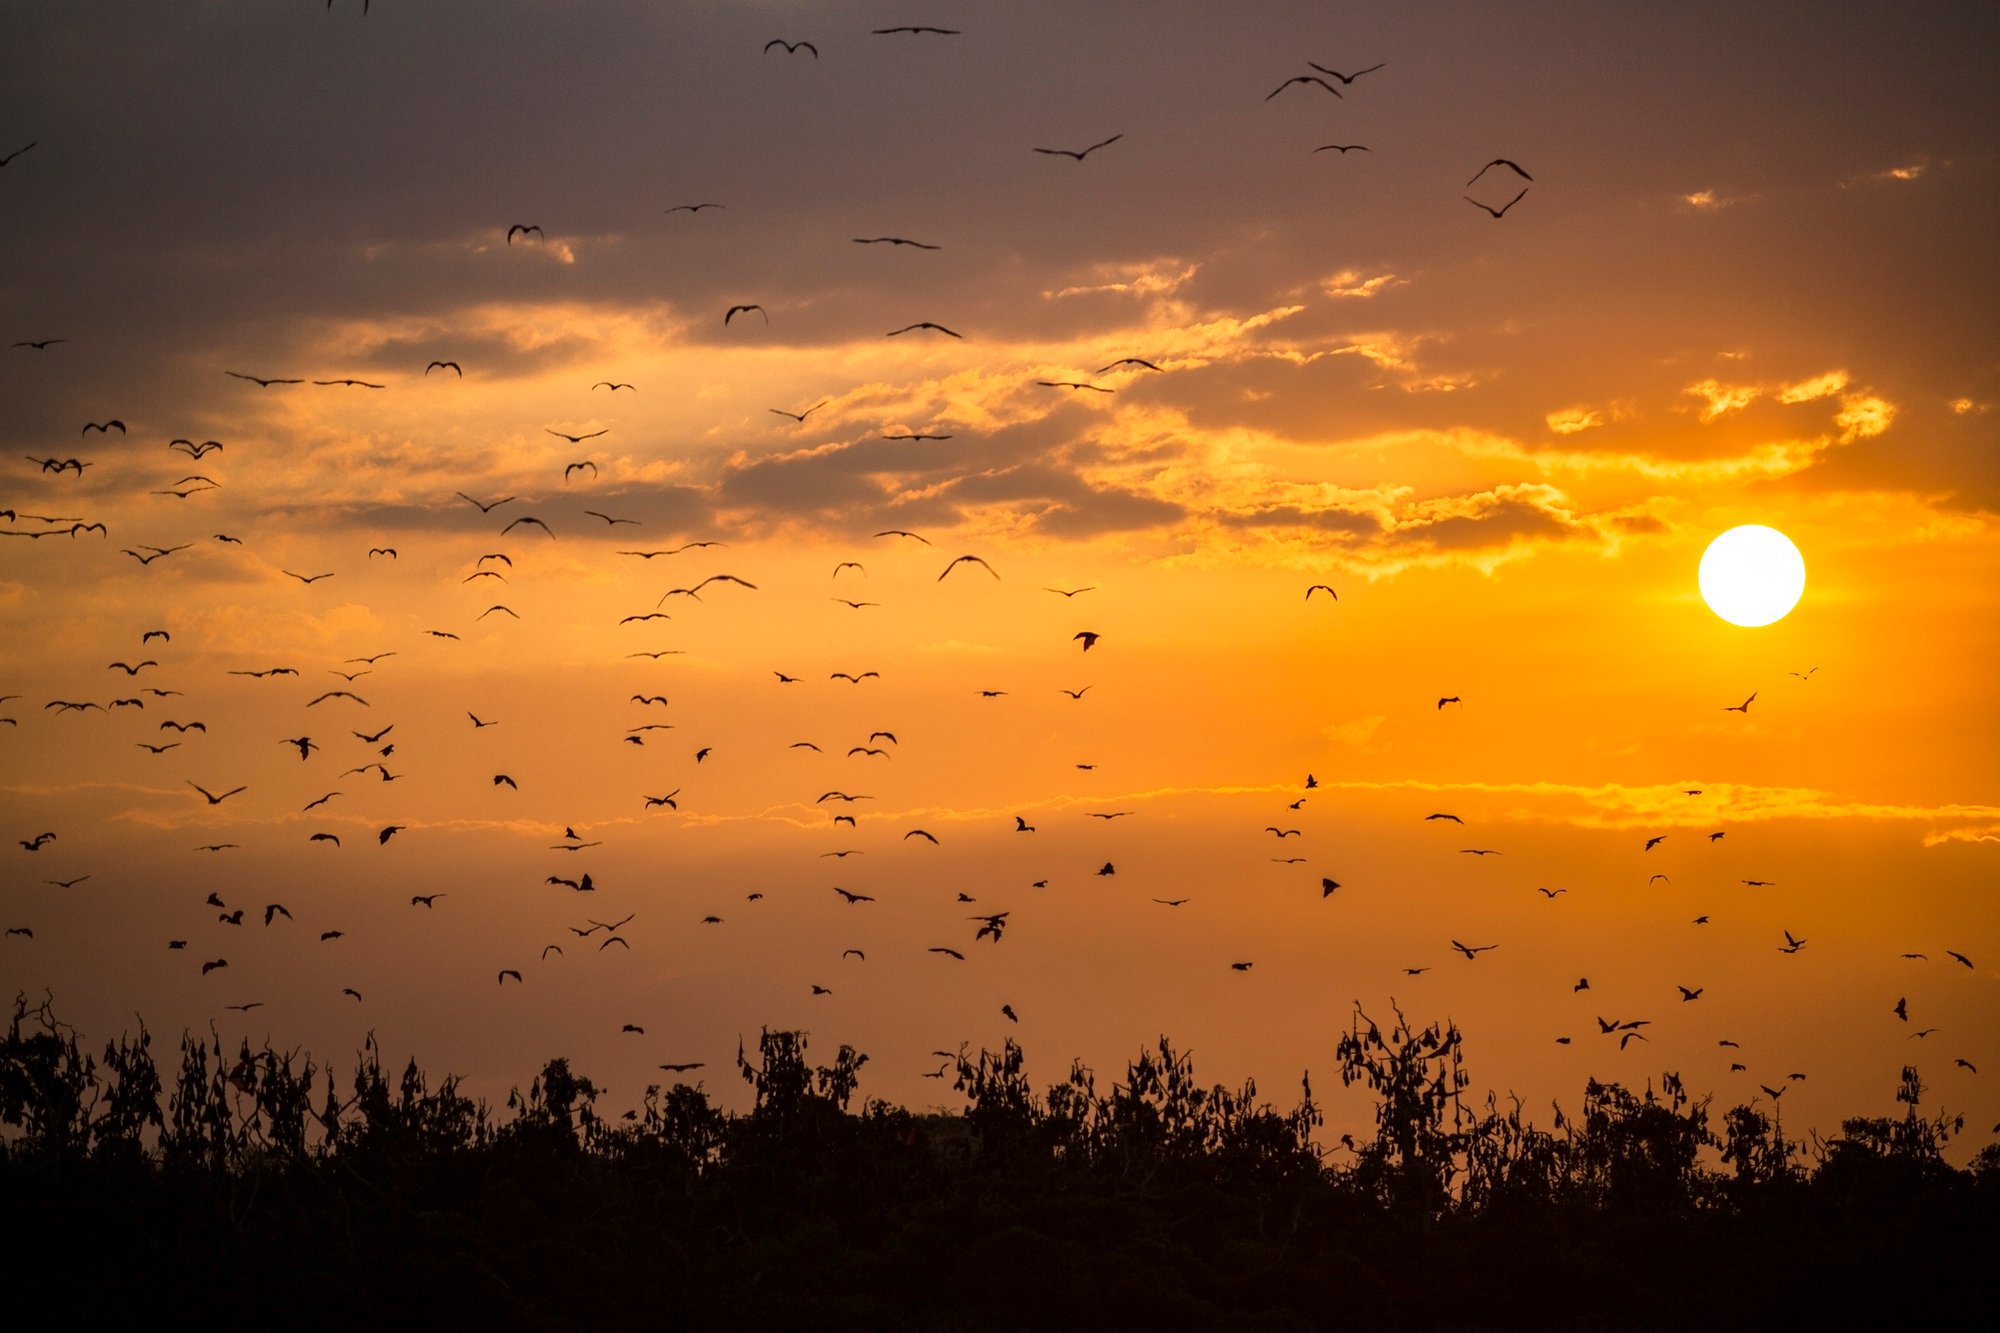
(248, 1190)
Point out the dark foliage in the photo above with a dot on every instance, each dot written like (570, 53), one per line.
(254, 1189)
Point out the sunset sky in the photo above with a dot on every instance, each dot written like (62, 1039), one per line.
(1751, 280)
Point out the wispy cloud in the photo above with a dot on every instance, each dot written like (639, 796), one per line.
(1719, 398)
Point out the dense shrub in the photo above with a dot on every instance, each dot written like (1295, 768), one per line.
(1160, 1201)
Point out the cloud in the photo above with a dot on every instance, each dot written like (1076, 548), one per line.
(1383, 532)
(1904, 174)
(1666, 805)
(1976, 833)
(1709, 201)
(1863, 416)
(1158, 277)
(1719, 398)
(1358, 732)
(1570, 420)
(1819, 386)
(1352, 284)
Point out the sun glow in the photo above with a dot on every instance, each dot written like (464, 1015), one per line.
(1752, 575)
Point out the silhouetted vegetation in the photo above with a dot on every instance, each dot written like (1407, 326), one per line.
(251, 1188)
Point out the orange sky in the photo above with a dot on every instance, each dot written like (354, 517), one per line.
(1745, 285)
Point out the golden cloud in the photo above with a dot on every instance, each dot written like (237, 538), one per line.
(1720, 398)
(1819, 386)
(1350, 284)
(1863, 416)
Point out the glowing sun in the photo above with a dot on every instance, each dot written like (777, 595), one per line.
(1752, 575)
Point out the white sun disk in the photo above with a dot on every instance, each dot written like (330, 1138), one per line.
(1752, 575)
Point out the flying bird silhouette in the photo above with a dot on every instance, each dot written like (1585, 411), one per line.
(967, 559)
(1346, 79)
(1496, 162)
(1302, 78)
(1080, 154)
(1499, 212)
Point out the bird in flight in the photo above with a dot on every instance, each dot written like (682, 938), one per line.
(736, 310)
(1080, 154)
(1450, 699)
(1302, 78)
(1501, 211)
(799, 417)
(524, 229)
(213, 799)
(942, 32)
(967, 559)
(894, 240)
(260, 381)
(1321, 587)
(690, 208)
(925, 324)
(573, 439)
(1346, 79)
(791, 48)
(1496, 162)
(1743, 707)
(1473, 951)
(445, 365)
(1073, 384)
